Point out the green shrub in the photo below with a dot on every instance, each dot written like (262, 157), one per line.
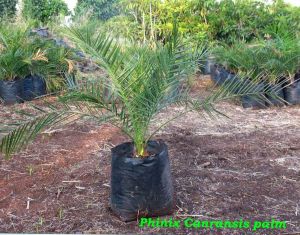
(153, 20)
(283, 20)
(225, 21)
(237, 20)
(100, 9)
(7, 8)
(44, 10)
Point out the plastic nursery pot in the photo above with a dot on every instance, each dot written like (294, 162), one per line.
(218, 74)
(249, 101)
(223, 75)
(11, 91)
(292, 93)
(215, 74)
(42, 32)
(141, 186)
(80, 54)
(205, 66)
(232, 80)
(278, 91)
(33, 87)
(60, 42)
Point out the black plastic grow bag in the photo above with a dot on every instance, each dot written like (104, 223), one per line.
(11, 91)
(217, 74)
(42, 32)
(223, 75)
(205, 66)
(33, 86)
(276, 90)
(237, 85)
(234, 83)
(141, 186)
(251, 101)
(292, 93)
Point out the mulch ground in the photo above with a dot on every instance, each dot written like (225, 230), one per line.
(244, 168)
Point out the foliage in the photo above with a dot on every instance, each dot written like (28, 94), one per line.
(59, 66)
(23, 54)
(278, 57)
(44, 10)
(237, 20)
(191, 17)
(18, 54)
(142, 82)
(99, 9)
(226, 21)
(7, 8)
(122, 27)
(153, 20)
(283, 19)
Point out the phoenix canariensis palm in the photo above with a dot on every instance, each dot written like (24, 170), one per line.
(140, 81)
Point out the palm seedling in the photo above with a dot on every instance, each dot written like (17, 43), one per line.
(17, 53)
(29, 64)
(275, 58)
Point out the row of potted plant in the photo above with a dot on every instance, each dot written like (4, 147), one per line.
(30, 64)
(276, 61)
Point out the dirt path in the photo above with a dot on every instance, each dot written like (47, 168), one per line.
(246, 167)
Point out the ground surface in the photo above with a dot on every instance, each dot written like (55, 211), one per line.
(246, 167)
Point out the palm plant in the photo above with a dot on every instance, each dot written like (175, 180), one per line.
(142, 81)
(284, 56)
(275, 58)
(18, 54)
(60, 65)
(23, 54)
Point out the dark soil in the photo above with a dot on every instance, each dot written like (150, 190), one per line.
(246, 168)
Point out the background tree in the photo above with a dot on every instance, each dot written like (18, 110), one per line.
(227, 20)
(44, 10)
(100, 9)
(7, 8)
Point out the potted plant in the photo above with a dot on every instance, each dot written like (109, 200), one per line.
(142, 82)
(275, 61)
(29, 65)
(19, 55)
(281, 60)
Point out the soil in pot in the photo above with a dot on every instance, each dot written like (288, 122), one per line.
(11, 91)
(33, 86)
(141, 186)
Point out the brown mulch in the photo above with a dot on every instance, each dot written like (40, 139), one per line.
(248, 167)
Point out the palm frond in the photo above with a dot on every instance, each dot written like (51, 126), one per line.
(34, 123)
(238, 87)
